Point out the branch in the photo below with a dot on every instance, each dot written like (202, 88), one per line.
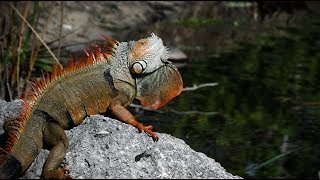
(182, 112)
(193, 112)
(173, 111)
(144, 108)
(199, 86)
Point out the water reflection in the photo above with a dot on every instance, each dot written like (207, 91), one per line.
(267, 103)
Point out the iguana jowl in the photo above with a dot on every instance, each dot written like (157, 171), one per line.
(108, 78)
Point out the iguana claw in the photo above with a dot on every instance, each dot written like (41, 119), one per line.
(148, 130)
(56, 174)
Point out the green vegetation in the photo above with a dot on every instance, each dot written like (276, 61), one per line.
(267, 101)
(197, 21)
(21, 50)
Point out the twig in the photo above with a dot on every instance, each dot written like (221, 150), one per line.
(173, 111)
(144, 108)
(35, 32)
(19, 48)
(256, 167)
(35, 52)
(199, 86)
(182, 112)
(193, 112)
(60, 31)
(8, 86)
(7, 82)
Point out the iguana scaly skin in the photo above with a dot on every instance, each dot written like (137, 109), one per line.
(109, 78)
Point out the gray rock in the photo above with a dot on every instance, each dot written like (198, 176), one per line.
(9, 110)
(177, 54)
(102, 147)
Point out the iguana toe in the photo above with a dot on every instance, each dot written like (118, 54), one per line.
(56, 174)
(148, 130)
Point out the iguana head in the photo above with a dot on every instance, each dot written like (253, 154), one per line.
(157, 79)
(147, 55)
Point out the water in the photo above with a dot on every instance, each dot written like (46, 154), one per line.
(265, 111)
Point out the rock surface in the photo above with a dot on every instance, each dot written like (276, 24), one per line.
(102, 147)
(84, 21)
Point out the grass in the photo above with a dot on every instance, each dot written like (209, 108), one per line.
(21, 46)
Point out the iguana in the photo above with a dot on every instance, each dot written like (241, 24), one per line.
(106, 79)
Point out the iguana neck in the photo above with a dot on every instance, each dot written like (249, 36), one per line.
(119, 67)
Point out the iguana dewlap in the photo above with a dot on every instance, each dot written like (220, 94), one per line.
(108, 78)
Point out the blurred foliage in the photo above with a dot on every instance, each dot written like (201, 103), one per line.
(20, 48)
(197, 21)
(267, 101)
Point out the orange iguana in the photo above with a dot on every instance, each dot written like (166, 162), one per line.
(108, 78)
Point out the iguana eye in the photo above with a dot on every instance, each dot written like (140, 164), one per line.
(139, 66)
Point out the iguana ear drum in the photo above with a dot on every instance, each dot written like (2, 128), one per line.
(138, 67)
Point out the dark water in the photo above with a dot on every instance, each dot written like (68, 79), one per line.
(267, 106)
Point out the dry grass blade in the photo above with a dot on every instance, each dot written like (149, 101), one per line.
(60, 32)
(34, 31)
(21, 32)
(34, 52)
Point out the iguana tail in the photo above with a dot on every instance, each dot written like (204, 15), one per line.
(10, 167)
(23, 142)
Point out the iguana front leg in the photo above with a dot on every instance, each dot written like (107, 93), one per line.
(125, 116)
